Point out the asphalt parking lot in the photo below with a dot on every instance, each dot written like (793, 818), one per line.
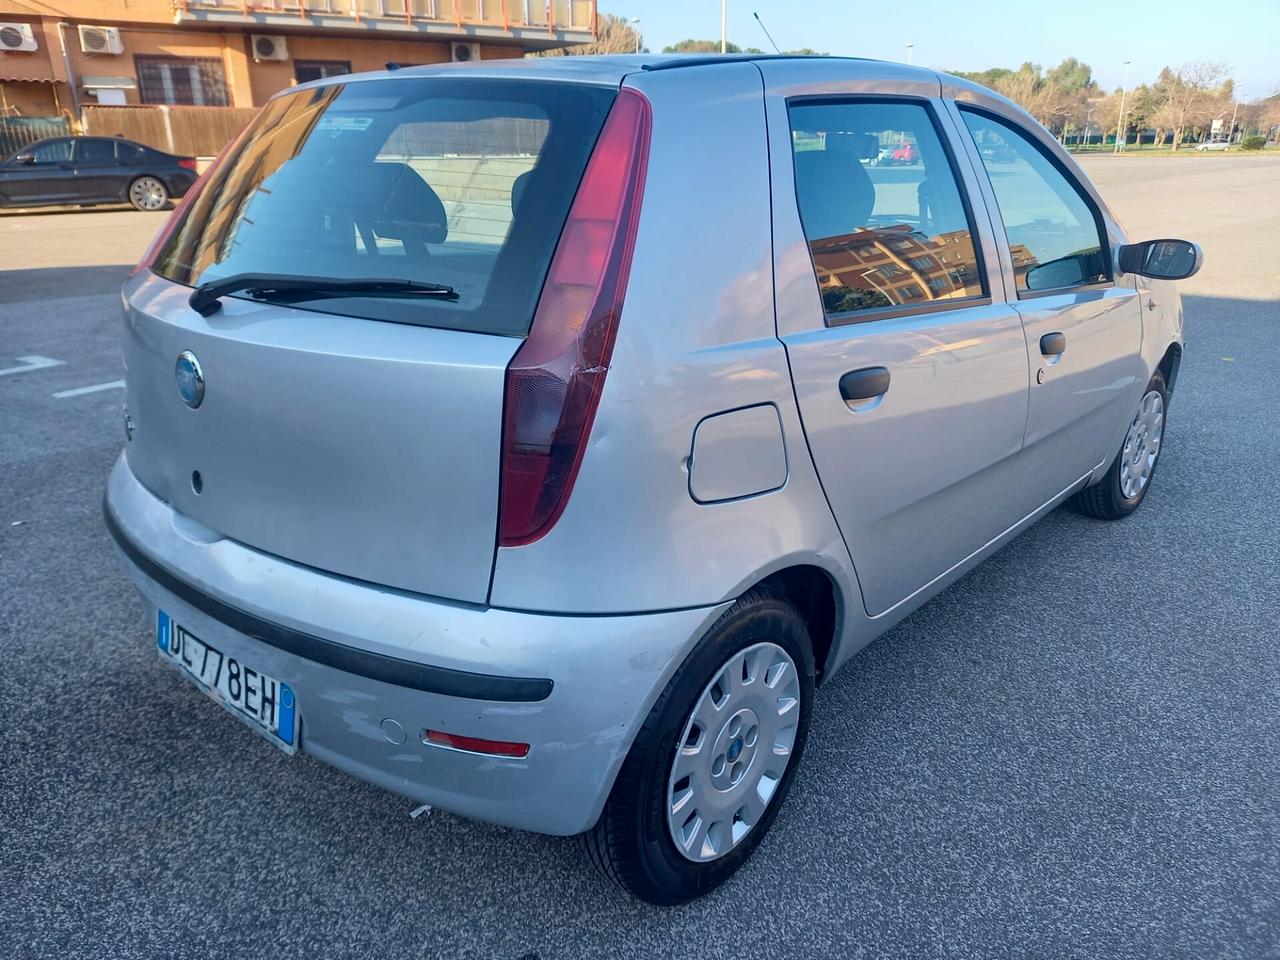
(1073, 752)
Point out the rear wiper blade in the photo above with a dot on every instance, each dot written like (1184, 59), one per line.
(205, 298)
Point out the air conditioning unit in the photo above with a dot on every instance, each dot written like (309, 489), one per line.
(464, 52)
(100, 40)
(17, 36)
(268, 47)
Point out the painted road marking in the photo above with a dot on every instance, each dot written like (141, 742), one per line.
(81, 391)
(31, 363)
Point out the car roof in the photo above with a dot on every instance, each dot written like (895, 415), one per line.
(609, 69)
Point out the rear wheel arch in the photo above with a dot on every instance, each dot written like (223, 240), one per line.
(818, 600)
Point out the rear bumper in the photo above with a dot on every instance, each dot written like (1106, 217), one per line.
(575, 688)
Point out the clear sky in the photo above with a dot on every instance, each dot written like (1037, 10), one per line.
(976, 34)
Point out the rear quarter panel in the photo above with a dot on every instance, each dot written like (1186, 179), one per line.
(696, 338)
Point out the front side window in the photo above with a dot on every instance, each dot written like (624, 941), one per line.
(55, 151)
(190, 81)
(461, 182)
(1055, 238)
(881, 208)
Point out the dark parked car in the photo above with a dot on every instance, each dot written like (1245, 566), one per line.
(88, 170)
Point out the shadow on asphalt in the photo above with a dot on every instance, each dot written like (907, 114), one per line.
(50, 283)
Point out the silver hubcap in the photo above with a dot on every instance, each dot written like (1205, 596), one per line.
(1142, 446)
(733, 752)
(148, 193)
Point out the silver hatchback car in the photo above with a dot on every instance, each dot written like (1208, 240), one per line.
(530, 438)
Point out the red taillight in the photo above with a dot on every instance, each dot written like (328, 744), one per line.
(187, 163)
(496, 748)
(555, 379)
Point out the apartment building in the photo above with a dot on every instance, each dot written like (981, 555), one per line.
(57, 56)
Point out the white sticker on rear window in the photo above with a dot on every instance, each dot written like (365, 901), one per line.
(339, 124)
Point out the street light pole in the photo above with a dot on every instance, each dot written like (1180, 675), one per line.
(1124, 91)
(724, 26)
(1232, 132)
(636, 32)
(910, 48)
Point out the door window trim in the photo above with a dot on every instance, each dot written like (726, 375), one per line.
(1099, 222)
(850, 317)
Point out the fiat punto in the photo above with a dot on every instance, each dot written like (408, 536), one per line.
(531, 438)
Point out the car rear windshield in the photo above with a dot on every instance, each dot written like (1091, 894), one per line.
(457, 181)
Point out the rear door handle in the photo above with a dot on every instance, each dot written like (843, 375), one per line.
(869, 383)
(1053, 344)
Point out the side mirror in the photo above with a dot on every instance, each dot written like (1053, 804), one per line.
(1162, 259)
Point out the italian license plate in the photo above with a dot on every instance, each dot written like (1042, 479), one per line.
(264, 703)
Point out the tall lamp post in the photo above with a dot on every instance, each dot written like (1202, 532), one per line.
(1124, 91)
(724, 26)
(634, 20)
(910, 48)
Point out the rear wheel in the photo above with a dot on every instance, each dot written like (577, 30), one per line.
(148, 193)
(714, 760)
(1129, 478)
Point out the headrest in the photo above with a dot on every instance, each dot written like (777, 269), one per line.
(395, 200)
(835, 193)
(518, 186)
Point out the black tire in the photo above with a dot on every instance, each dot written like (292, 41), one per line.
(148, 193)
(1105, 500)
(631, 843)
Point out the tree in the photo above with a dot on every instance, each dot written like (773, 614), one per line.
(1106, 114)
(1071, 76)
(1188, 95)
(1058, 98)
(707, 46)
(613, 35)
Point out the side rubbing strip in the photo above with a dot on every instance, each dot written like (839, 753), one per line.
(375, 666)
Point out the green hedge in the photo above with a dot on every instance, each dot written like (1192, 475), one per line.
(1253, 143)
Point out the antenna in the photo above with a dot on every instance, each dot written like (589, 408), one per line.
(766, 31)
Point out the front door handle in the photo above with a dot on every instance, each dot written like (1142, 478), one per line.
(869, 383)
(1053, 344)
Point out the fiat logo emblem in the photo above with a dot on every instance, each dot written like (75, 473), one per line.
(190, 379)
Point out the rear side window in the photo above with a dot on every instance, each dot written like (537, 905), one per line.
(130, 152)
(882, 211)
(95, 151)
(463, 182)
(1055, 237)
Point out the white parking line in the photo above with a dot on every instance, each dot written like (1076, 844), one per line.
(31, 363)
(81, 391)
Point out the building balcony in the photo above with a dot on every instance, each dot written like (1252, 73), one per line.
(535, 24)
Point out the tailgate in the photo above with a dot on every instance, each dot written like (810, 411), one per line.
(365, 449)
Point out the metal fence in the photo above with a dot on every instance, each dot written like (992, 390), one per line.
(18, 132)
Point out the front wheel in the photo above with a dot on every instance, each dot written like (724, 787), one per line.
(1129, 478)
(148, 193)
(714, 760)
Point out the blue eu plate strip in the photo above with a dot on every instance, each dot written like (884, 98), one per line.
(287, 705)
(162, 631)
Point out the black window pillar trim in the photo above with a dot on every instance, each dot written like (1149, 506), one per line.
(444, 681)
